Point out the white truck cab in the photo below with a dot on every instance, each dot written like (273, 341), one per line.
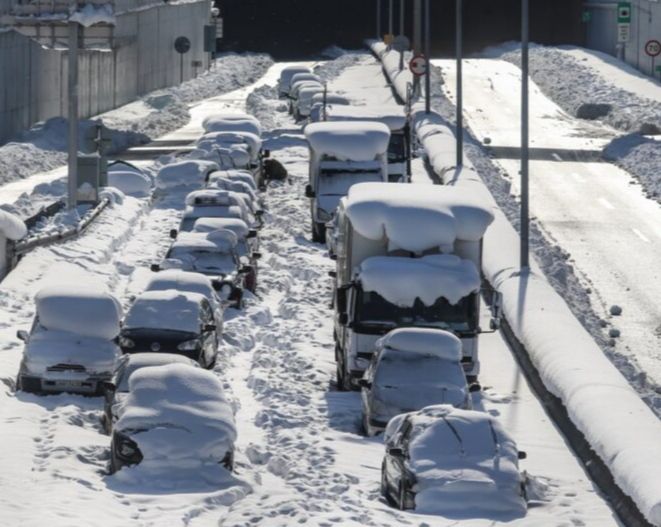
(341, 155)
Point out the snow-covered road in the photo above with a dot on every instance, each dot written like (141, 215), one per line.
(300, 457)
(593, 210)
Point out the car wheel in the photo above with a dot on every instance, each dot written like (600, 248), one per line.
(384, 483)
(318, 232)
(365, 426)
(343, 381)
(402, 496)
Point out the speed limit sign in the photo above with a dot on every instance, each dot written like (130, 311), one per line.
(653, 48)
(418, 65)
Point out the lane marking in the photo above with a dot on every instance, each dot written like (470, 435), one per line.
(605, 203)
(640, 235)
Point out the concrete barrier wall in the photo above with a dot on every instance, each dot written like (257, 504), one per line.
(33, 83)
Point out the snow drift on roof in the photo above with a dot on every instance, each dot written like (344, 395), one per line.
(185, 173)
(226, 138)
(130, 183)
(177, 412)
(87, 311)
(169, 309)
(403, 280)
(362, 141)
(217, 241)
(237, 226)
(12, 226)
(423, 340)
(241, 122)
(390, 115)
(239, 175)
(331, 98)
(417, 217)
(181, 281)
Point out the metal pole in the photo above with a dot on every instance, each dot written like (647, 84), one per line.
(417, 26)
(428, 58)
(401, 17)
(378, 20)
(524, 137)
(390, 16)
(460, 99)
(72, 200)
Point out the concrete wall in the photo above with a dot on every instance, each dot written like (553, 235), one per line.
(33, 83)
(601, 30)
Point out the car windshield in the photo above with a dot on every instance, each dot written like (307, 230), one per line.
(397, 148)
(374, 310)
(337, 182)
(404, 368)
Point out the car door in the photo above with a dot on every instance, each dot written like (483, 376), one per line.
(397, 469)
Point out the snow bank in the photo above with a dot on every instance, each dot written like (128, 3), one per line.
(176, 412)
(442, 344)
(403, 280)
(621, 429)
(87, 311)
(465, 463)
(170, 309)
(416, 218)
(348, 141)
(184, 173)
(640, 156)
(390, 115)
(130, 183)
(12, 226)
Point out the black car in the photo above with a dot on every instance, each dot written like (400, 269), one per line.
(171, 321)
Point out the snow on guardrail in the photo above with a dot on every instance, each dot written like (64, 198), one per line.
(619, 426)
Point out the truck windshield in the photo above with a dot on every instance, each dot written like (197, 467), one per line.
(397, 148)
(373, 311)
(338, 182)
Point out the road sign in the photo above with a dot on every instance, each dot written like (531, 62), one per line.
(182, 45)
(653, 48)
(624, 12)
(623, 33)
(418, 65)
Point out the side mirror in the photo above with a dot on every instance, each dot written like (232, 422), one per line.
(332, 274)
(256, 255)
(396, 452)
(341, 299)
(333, 256)
(155, 268)
(343, 319)
(522, 455)
(266, 154)
(108, 388)
(309, 193)
(208, 327)
(174, 233)
(252, 233)
(259, 213)
(21, 334)
(364, 383)
(474, 388)
(245, 269)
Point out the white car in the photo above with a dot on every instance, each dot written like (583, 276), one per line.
(72, 344)
(452, 462)
(232, 122)
(303, 103)
(284, 82)
(216, 203)
(185, 174)
(412, 368)
(174, 416)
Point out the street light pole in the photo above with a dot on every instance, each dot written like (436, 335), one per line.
(390, 16)
(428, 58)
(401, 17)
(417, 26)
(525, 154)
(460, 98)
(378, 20)
(72, 197)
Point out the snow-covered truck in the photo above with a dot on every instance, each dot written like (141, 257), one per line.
(399, 148)
(407, 256)
(341, 155)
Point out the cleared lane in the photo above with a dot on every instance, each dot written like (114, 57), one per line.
(592, 210)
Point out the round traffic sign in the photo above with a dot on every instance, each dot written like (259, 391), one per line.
(182, 45)
(418, 65)
(653, 48)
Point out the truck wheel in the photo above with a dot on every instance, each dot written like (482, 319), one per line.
(343, 381)
(318, 232)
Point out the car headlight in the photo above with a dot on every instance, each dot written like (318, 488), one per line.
(189, 345)
(324, 215)
(125, 342)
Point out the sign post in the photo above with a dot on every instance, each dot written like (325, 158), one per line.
(181, 46)
(623, 25)
(653, 50)
(418, 65)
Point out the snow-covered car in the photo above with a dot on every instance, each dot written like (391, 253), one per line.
(284, 82)
(296, 88)
(235, 185)
(116, 390)
(171, 321)
(174, 416)
(232, 122)
(303, 103)
(302, 77)
(412, 368)
(217, 203)
(72, 344)
(190, 173)
(191, 283)
(317, 104)
(447, 461)
(245, 176)
(246, 142)
(247, 243)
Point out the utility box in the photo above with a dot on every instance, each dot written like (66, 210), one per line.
(96, 139)
(89, 175)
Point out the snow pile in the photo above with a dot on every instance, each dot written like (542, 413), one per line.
(91, 14)
(465, 464)
(640, 156)
(401, 281)
(184, 173)
(11, 226)
(65, 307)
(416, 218)
(348, 141)
(442, 344)
(130, 183)
(178, 415)
(170, 309)
(392, 116)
